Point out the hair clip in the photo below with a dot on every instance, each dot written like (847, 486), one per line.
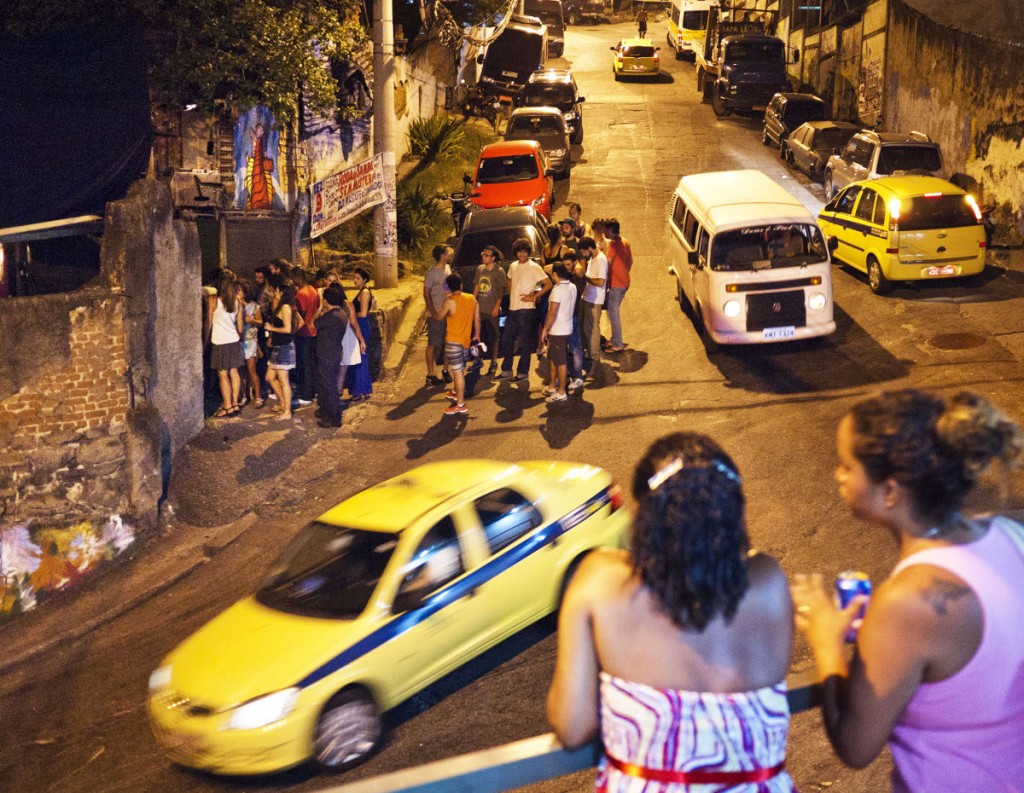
(675, 465)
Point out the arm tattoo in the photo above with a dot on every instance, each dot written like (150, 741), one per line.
(941, 593)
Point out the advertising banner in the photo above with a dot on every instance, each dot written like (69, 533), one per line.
(345, 194)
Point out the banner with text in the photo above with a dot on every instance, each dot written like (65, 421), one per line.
(345, 194)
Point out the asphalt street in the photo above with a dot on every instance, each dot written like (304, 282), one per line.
(74, 720)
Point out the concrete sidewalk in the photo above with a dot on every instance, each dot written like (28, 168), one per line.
(198, 523)
(275, 459)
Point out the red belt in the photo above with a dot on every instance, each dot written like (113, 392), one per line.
(697, 777)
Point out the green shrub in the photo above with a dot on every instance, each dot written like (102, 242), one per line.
(420, 214)
(437, 138)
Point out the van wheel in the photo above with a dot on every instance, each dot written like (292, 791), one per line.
(710, 345)
(879, 284)
(348, 730)
(718, 103)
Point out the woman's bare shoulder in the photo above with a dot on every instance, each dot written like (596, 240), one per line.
(768, 581)
(603, 567)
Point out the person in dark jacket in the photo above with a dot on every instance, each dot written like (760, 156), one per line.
(330, 330)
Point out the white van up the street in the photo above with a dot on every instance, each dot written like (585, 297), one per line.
(749, 260)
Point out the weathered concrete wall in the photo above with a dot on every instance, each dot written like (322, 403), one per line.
(98, 387)
(965, 92)
(420, 80)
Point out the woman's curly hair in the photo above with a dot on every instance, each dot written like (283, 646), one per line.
(936, 449)
(689, 539)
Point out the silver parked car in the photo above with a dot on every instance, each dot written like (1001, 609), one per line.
(869, 155)
(546, 125)
(809, 146)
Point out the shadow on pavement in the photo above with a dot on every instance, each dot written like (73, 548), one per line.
(850, 358)
(446, 430)
(275, 459)
(514, 399)
(603, 375)
(993, 284)
(565, 420)
(629, 360)
(411, 403)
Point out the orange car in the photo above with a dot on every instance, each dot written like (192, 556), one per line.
(513, 173)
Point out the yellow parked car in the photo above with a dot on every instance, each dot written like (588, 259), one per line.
(905, 228)
(379, 597)
(635, 58)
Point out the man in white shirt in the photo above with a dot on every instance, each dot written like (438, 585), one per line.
(527, 281)
(593, 299)
(557, 329)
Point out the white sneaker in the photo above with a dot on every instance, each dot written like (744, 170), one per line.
(272, 395)
(303, 402)
(575, 384)
(556, 397)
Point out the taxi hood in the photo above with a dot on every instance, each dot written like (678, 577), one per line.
(250, 650)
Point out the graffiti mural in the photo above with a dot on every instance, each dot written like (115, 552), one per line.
(257, 150)
(37, 561)
(332, 142)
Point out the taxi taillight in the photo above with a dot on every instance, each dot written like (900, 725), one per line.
(615, 497)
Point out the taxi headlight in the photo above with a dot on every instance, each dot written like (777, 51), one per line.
(263, 711)
(160, 679)
(732, 308)
(816, 301)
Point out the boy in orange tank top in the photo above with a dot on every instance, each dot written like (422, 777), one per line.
(463, 328)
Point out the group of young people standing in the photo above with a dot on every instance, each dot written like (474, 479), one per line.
(555, 300)
(296, 331)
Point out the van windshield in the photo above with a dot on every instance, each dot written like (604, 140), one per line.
(514, 56)
(767, 247)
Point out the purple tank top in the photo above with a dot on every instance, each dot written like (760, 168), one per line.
(966, 733)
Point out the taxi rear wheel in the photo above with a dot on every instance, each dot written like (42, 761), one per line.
(348, 730)
(879, 284)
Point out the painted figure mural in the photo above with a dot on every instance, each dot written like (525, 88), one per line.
(257, 147)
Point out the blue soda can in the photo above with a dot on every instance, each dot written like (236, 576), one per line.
(850, 584)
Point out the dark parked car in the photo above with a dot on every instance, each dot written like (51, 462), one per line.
(788, 111)
(810, 145)
(499, 227)
(546, 125)
(557, 88)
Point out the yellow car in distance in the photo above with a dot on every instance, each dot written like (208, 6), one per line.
(905, 228)
(374, 600)
(635, 58)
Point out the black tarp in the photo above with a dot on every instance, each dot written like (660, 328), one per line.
(75, 126)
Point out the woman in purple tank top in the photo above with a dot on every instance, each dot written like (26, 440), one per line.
(938, 670)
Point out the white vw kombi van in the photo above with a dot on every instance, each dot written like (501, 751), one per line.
(748, 259)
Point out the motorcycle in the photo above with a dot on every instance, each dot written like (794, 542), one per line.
(461, 204)
(476, 103)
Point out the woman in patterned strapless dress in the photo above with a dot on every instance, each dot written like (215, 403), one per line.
(677, 651)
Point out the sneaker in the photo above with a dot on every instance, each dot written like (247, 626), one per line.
(520, 378)
(303, 402)
(492, 370)
(451, 395)
(556, 397)
(505, 375)
(447, 376)
(272, 395)
(575, 384)
(454, 410)
(434, 380)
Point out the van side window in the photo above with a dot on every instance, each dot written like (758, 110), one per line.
(702, 244)
(866, 207)
(677, 213)
(690, 229)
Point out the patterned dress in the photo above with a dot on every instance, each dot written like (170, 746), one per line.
(689, 730)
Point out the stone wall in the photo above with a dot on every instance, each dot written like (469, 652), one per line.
(965, 92)
(421, 78)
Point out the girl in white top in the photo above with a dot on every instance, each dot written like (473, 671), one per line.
(225, 314)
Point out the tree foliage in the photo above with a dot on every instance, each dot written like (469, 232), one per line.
(220, 54)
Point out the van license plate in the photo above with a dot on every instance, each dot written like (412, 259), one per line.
(757, 108)
(774, 334)
(935, 271)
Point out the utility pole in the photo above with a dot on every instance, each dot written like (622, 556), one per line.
(385, 226)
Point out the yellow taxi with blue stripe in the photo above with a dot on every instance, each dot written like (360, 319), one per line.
(373, 601)
(905, 228)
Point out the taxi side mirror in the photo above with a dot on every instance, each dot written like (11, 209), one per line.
(612, 49)
(581, 99)
(693, 258)
(480, 59)
(409, 600)
(796, 56)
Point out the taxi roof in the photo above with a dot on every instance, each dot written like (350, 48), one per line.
(396, 503)
(733, 199)
(912, 185)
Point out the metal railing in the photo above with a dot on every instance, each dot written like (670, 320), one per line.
(524, 762)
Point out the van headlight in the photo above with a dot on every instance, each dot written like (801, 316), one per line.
(264, 710)
(732, 308)
(816, 301)
(160, 680)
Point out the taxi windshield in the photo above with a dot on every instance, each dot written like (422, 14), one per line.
(327, 571)
(517, 168)
(770, 246)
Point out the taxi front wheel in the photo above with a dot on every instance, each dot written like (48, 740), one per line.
(348, 731)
